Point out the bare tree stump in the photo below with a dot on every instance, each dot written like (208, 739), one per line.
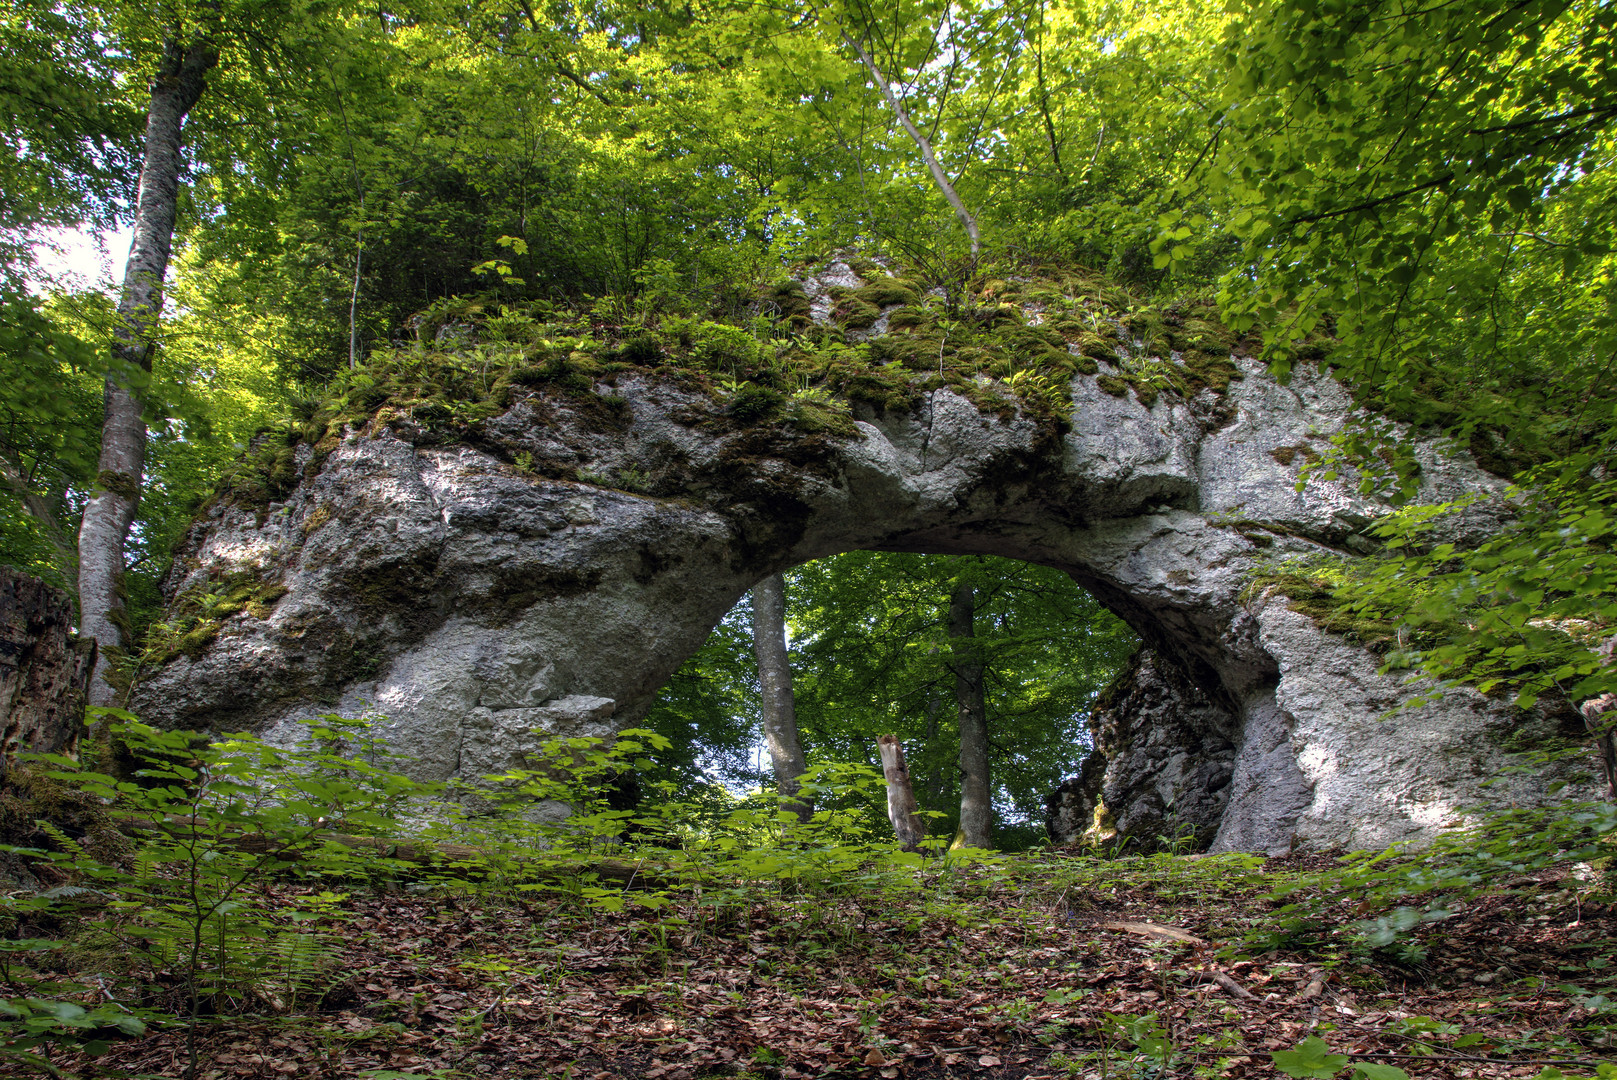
(44, 671)
(901, 806)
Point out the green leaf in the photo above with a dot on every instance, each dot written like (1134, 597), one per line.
(1310, 1058)
(1371, 1070)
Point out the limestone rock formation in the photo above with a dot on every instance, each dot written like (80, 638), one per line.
(1069, 811)
(447, 584)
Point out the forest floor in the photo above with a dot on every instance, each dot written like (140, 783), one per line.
(1039, 967)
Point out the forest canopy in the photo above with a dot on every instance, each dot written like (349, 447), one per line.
(1419, 196)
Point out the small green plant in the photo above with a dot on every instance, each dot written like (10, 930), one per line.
(216, 821)
(1313, 1058)
(31, 1027)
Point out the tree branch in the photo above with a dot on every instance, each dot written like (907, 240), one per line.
(940, 177)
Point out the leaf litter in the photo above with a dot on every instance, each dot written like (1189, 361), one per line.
(1030, 968)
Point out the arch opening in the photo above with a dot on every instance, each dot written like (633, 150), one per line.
(872, 652)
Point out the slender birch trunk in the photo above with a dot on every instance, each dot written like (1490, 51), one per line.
(976, 811)
(180, 79)
(779, 706)
(901, 806)
(939, 176)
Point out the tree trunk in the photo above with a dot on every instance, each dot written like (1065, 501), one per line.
(922, 143)
(907, 827)
(44, 671)
(178, 84)
(934, 776)
(779, 707)
(976, 812)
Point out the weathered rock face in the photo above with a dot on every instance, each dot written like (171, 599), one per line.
(471, 602)
(1069, 811)
(1168, 751)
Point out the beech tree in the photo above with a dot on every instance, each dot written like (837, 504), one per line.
(873, 654)
(777, 705)
(976, 806)
(176, 85)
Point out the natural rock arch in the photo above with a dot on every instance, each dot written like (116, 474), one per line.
(472, 602)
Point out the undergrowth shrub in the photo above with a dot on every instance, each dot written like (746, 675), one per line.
(184, 925)
(191, 920)
(1400, 891)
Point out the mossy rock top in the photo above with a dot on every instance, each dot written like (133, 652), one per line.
(1011, 344)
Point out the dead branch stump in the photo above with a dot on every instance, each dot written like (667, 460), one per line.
(901, 805)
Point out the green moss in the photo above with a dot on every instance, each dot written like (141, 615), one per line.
(75, 822)
(118, 483)
(1097, 348)
(888, 292)
(1000, 315)
(1287, 455)
(865, 268)
(1314, 595)
(911, 318)
(1207, 371)
(1028, 338)
(643, 349)
(267, 473)
(920, 352)
(855, 313)
(812, 415)
(541, 351)
(1112, 385)
(1201, 334)
(881, 387)
(749, 404)
(200, 612)
(790, 303)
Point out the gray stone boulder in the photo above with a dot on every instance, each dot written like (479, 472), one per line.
(451, 587)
